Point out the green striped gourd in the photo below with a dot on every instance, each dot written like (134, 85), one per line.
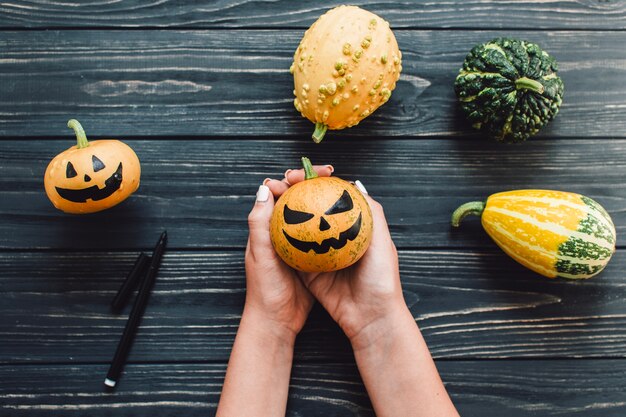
(554, 233)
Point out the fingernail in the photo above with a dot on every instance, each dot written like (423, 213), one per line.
(266, 180)
(287, 172)
(360, 186)
(331, 168)
(263, 194)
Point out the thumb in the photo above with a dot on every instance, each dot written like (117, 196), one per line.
(380, 232)
(259, 220)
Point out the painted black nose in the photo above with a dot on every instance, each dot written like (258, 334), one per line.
(87, 178)
(324, 224)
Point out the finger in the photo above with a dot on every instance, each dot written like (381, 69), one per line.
(361, 187)
(276, 187)
(315, 281)
(294, 176)
(381, 232)
(259, 221)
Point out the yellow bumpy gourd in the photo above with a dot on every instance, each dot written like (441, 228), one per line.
(345, 67)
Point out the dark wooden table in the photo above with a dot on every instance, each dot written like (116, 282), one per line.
(202, 92)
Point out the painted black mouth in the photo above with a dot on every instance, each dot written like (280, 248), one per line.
(111, 185)
(335, 243)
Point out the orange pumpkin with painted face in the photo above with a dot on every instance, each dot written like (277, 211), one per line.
(321, 224)
(91, 176)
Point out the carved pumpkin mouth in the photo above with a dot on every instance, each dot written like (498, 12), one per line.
(111, 185)
(336, 243)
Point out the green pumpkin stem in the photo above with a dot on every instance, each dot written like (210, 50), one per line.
(81, 138)
(525, 83)
(473, 207)
(320, 131)
(309, 172)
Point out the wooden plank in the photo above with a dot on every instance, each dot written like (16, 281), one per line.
(236, 83)
(469, 304)
(201, 191)
(587, 388)
(421, 14)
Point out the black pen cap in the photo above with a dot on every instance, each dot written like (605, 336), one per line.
(129, 284)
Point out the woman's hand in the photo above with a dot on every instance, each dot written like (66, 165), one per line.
(364, 297)
(274, 295)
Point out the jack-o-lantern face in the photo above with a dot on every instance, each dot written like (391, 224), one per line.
(321, 224)
(342, 205)
(95, 193)
(92, 177)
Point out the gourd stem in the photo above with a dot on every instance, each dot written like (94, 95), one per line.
(473, 207)
(320, 131)
(309, 172)
(81, 138)
(528, 84)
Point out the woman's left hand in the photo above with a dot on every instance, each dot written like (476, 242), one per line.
(275, 296)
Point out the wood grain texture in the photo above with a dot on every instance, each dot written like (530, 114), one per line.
(236, 83)
(202, 190)
(469, 304)
(206, 83)
(584, 14)
(586, 388)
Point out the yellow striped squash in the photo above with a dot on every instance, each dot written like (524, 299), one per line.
(554, 233)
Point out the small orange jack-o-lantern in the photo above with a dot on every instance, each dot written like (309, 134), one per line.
(321, 224)
(91, 176)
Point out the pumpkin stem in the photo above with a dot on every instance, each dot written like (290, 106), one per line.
(528, 84)
(320, 131)
(309, 172)
(473, 207)
(81, 138)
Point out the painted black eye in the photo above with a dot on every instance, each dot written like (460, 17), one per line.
(343, 204)
(70, 172)
(97, 163)
(295, 217)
